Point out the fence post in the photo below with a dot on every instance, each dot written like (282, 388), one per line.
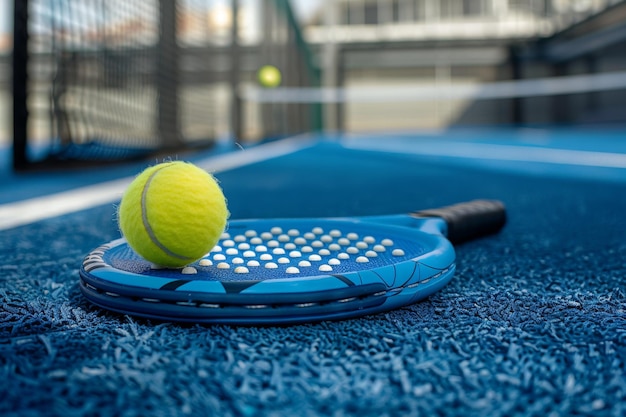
(20, 83)
(168, 77)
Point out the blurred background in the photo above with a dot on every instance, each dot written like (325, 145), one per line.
(100, 80)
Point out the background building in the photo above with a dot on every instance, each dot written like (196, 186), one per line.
(390, 45)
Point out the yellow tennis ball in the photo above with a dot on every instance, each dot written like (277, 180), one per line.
(269, 76)
(173, 214)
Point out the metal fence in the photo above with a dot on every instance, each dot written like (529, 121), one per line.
(117, 79)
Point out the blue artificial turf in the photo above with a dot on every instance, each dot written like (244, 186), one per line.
(534, 323)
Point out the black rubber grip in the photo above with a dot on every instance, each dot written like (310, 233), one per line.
(469, 220)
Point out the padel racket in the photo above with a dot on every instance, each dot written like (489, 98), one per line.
(294, 270)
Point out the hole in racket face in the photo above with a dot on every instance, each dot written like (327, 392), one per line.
(264, 249)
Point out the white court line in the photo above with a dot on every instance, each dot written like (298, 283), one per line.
(66, 202)
(498, 152)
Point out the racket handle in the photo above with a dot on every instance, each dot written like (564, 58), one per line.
(469, 220)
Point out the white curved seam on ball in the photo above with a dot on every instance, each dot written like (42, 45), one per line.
(146, 223)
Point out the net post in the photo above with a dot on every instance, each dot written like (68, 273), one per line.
(235, 70)
(20, 83)
(330, 55)
(168, 58)
(268, 54)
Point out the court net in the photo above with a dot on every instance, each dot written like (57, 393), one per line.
(376, 104)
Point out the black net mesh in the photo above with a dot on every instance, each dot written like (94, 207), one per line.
(117, 79)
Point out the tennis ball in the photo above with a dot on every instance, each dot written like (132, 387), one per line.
(173, 214)
(269, 76)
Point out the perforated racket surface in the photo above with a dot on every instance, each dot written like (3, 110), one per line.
(294, 270)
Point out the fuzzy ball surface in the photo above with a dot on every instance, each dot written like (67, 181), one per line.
(173, 214)
(269, 76)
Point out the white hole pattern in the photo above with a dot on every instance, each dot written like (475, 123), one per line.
(295, 252)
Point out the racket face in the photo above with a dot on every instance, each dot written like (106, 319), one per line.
(280, 271)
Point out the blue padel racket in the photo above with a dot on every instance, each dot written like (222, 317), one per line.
(294, 270)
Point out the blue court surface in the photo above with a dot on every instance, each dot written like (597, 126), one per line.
(533, 323)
